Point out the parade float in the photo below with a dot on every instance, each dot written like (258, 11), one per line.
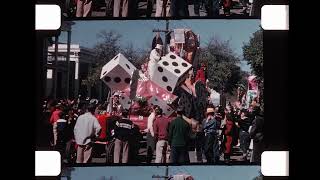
(172, 83)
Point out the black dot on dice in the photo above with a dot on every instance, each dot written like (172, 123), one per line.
(165, 63)
(104, 73)
(165, 79)
(127, 80)
(115, 58)
(169, 88)
(156, 99)
(107, 79)
(160, 69)
(177, 71)
(129, 102)
(172, 56)
(122, 97)
(117, 80)
(128, 66)
(169, 109)
(174, 63)
(184, 64)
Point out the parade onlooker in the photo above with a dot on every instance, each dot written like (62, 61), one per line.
(83, 8)
(61, 133)
(120, 7)
(256, 133)
(228, 132)
(227, 6)
(212, 8)
(162, 8)
(211, 144)
(150, 134)
(161, 129)
(102, 118)
(179, 8)
(199, 142)
(115, 106)
(179, 136)
(244, 124)
(53, 120)
(122, 132)
(86, 129)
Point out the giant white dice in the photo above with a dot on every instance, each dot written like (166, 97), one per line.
(166, 109)
(117, 73)
(171, 71)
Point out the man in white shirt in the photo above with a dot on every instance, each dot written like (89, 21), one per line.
(150, 134)
(87, 127)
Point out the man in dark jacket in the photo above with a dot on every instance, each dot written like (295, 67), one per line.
(256, 133)
(122, 132)
(244, 124)
(179, 133)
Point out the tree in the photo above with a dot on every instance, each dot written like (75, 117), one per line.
(223, 71)
(253, 54)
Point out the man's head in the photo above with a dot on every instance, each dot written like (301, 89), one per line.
(125, 113)
(116, 97)
(210, 111)
(91, 108)
(180, 111)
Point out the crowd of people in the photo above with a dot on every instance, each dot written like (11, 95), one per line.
(164, 8)
(80, 124)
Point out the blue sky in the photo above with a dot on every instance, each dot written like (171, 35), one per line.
(139, 32)
(146, 172)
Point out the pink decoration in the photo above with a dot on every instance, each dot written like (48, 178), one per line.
(148, 89)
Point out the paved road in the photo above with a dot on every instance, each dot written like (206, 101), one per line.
(235, 157)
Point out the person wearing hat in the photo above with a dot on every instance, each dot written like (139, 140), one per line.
(115, 107)
(211, 144)
(155, 57)
(178, 138)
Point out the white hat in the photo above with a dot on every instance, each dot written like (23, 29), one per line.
(116, 93)
(158, 46)
(250, 78)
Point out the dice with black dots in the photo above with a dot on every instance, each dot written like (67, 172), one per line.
(117, 73)
(170, 72)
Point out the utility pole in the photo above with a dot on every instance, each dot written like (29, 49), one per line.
(165, 177)
(166, 32)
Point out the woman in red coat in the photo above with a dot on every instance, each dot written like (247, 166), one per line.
(228, 135)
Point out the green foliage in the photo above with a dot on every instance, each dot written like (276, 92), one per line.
(222, 69)
(253, 54)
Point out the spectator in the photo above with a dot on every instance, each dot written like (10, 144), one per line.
(211, 144)
(161, 129)
(87, 128)
(212, 8)
(61, 133)
(150, 134)
(122, 5)
(123, 131)
(228, 137)
(53, 120)
(83, 8)
(244, 125)
(162, 8)
(179, 8)
(179, 135)
(256, 133)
